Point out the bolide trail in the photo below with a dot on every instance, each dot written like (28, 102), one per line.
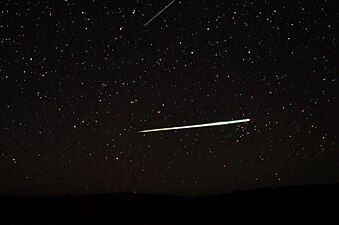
(159, 13)
(221, 123)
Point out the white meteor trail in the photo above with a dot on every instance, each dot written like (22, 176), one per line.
(159, 13)
(221, 123)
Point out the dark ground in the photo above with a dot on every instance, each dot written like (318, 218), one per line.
(315, 204)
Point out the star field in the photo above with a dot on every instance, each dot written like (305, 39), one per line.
(78, 81)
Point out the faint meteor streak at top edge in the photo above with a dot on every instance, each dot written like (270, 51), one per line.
(221, 123)
(159, 12)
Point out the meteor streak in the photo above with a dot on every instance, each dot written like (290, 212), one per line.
(221, 123)
(159, 13)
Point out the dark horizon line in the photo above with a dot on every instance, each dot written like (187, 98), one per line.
(120, 194)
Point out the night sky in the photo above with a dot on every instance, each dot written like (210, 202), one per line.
(79, 79)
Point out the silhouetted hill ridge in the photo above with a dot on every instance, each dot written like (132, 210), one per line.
(307, 204)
